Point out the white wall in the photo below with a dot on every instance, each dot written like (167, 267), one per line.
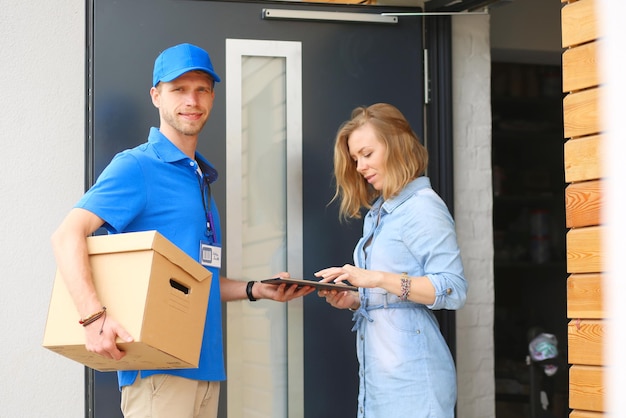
(41, 176)
(613, 58)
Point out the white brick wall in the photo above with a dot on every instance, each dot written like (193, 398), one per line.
(473, 210)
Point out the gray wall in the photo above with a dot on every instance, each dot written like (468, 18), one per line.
(41, 176)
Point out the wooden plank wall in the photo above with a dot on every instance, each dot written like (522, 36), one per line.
(582, 85)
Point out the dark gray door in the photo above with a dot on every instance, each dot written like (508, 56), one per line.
(344, 65)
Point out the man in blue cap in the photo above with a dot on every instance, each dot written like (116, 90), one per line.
(163, 185)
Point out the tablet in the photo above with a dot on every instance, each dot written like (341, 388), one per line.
(317, 285)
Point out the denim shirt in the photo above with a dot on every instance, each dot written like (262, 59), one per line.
(405, 366)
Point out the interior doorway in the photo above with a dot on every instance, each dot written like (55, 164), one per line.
(528, 211)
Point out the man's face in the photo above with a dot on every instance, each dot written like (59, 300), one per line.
(184, 103)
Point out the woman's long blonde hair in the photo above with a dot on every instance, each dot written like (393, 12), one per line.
(405, 158)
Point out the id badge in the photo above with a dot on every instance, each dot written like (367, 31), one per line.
(210, 255)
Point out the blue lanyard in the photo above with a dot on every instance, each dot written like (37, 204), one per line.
(205, 192)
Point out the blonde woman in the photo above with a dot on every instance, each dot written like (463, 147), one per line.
(406, 265)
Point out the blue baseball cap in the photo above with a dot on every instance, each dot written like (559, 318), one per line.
(179, 59)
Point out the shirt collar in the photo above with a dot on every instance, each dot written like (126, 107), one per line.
(409, 190)
(164, 148)
(170, 153)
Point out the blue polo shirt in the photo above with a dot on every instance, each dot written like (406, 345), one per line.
(155, 186)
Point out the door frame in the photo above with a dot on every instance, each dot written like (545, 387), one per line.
(437, 136)
(238, 52)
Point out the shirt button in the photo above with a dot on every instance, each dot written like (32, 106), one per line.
(448, 291)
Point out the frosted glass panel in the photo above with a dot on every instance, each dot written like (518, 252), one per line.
(263, 226)
(264, 143)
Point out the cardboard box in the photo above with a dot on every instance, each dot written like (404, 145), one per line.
(153, 289)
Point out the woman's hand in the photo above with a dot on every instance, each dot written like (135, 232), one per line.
(340, 299)
(337, 298)
(355, 276)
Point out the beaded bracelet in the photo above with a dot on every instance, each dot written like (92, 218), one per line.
(405, 286)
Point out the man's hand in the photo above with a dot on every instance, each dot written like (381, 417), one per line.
(101, 337)
(281, 293)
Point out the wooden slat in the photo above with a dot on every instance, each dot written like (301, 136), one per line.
(584, 250)
(579, 23)
(585, 339)
(584, 296)
(580, 67)
(583, 159)
(583, 204)
(586, 388)
(582, 78)
(588, 414)
(580, 113)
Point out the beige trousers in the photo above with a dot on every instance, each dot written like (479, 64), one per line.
(167, 396)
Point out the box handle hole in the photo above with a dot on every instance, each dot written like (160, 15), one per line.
(179, 286)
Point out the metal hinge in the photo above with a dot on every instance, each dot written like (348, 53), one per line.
(426, 79)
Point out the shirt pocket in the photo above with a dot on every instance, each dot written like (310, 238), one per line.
(406, 320)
